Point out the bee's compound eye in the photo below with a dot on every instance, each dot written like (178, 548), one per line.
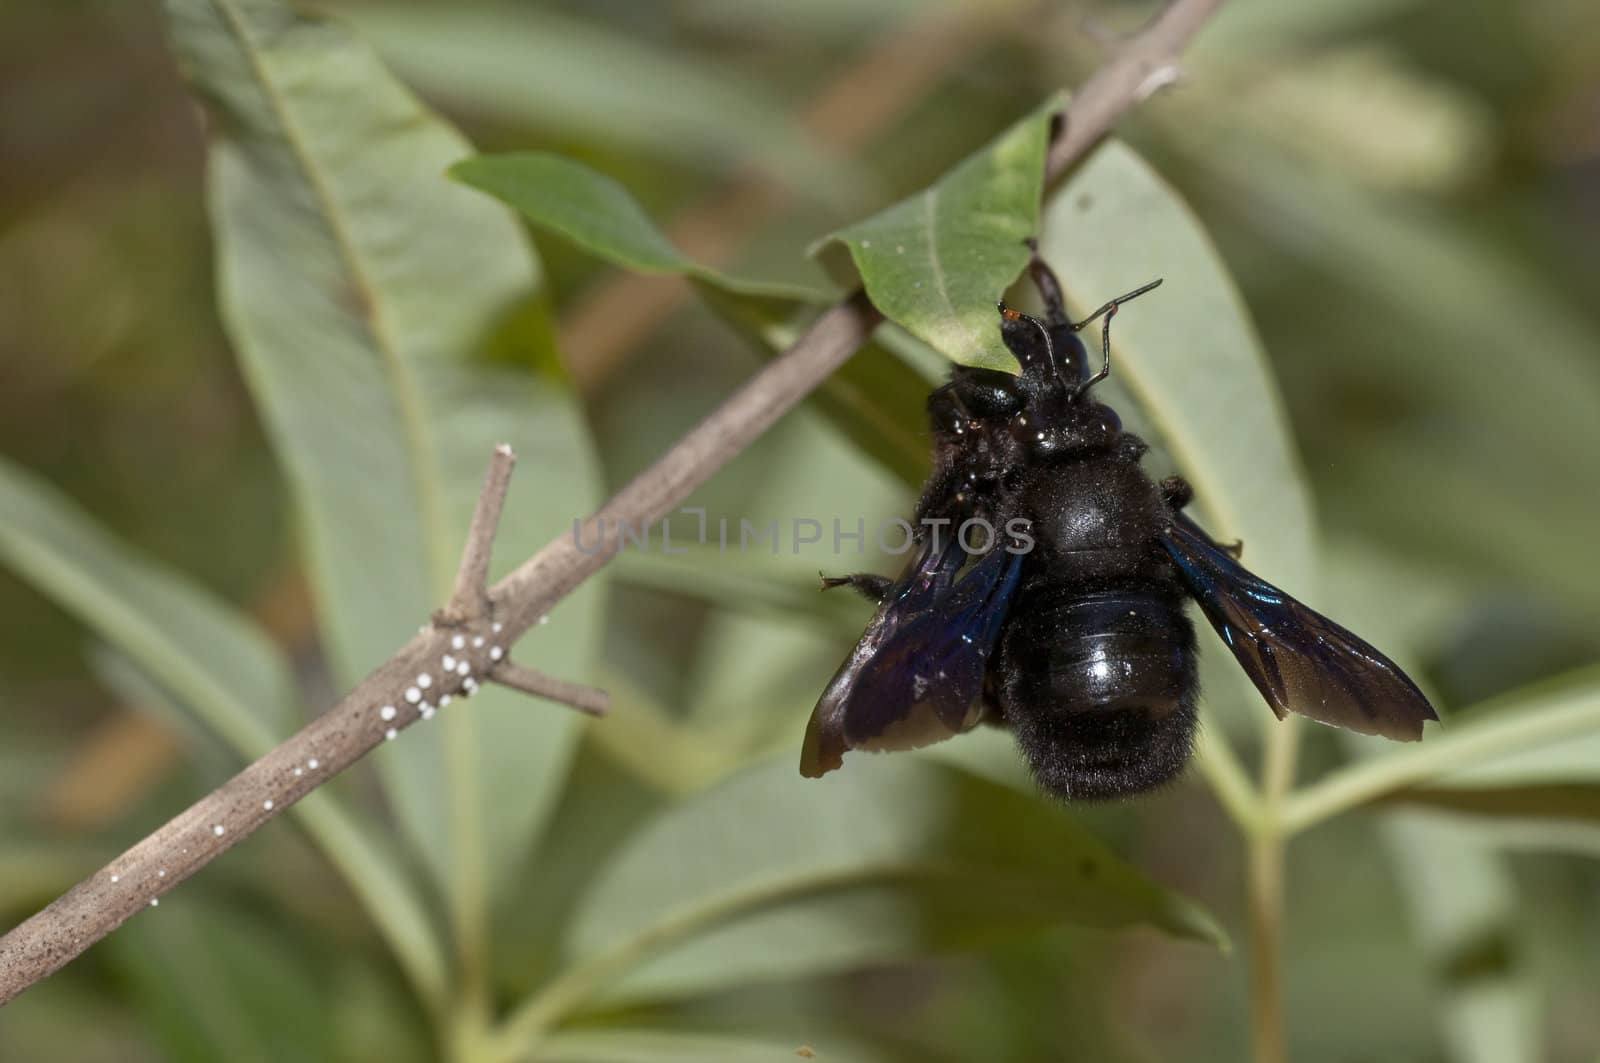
(988, 394)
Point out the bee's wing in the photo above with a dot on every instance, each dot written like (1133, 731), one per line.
(917, 673)
(1301, 661)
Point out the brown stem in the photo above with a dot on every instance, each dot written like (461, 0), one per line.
(442, 664)
(469, 596)
(1147, 63)
(538, 583)
(136, 879)
(532, 681)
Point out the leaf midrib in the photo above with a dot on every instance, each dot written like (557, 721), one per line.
(572, 989)
(930, 222)
(468, 905)
(407, 390)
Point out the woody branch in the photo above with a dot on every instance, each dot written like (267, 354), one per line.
(469, 636)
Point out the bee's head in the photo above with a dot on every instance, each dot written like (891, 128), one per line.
(1052, 359)
(1058, 420)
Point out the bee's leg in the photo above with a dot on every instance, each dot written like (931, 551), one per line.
(946, 411)
(993, 714)
(872, 587)
(952, 408)
(1177, 493)
(1131, 448)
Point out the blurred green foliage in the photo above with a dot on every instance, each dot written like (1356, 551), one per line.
(1404, 194)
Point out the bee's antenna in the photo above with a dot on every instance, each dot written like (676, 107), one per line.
(1049, 347)
(1110, 311)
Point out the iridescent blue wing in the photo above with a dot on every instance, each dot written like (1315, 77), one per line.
(916, 674)
(1301, 661)
(927, 577)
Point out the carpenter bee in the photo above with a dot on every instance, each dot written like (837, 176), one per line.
(1068, 625)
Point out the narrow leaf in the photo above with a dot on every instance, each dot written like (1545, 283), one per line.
(769, 876)
(1556, 780)
(1535, 738)
(936, 263)
(217, 661)
(357, 282)
(1464, 903)
(1444, 384)
(876, 398)
(214, 985)
(1187, 353)
(219, 669)
(1578, 802)
(596, 213)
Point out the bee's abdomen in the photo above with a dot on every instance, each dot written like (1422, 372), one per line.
(1100, 651)
(1099, 687)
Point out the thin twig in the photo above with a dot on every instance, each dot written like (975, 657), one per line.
(588, 700)
(469, 596)
(438, 666)
(1149, 60)
(534, 587)
(402, 690)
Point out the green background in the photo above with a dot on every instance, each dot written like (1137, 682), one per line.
(1405, 196)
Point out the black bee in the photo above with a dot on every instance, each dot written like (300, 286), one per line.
(1068, 625)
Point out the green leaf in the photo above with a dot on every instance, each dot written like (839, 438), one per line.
(1189, 358)
(1532, 737)
(936, 263)
(876, 398)
(215, 985)
(1465, 905)
(1558, 780)
(1573, 759)
(1433, 351)
(597, 214)
(1460, 895)
(600, 806)
(1187, 353)
(772, 876)
(1577, 802)
(357, 282)
(219, 670)
(213, 659)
